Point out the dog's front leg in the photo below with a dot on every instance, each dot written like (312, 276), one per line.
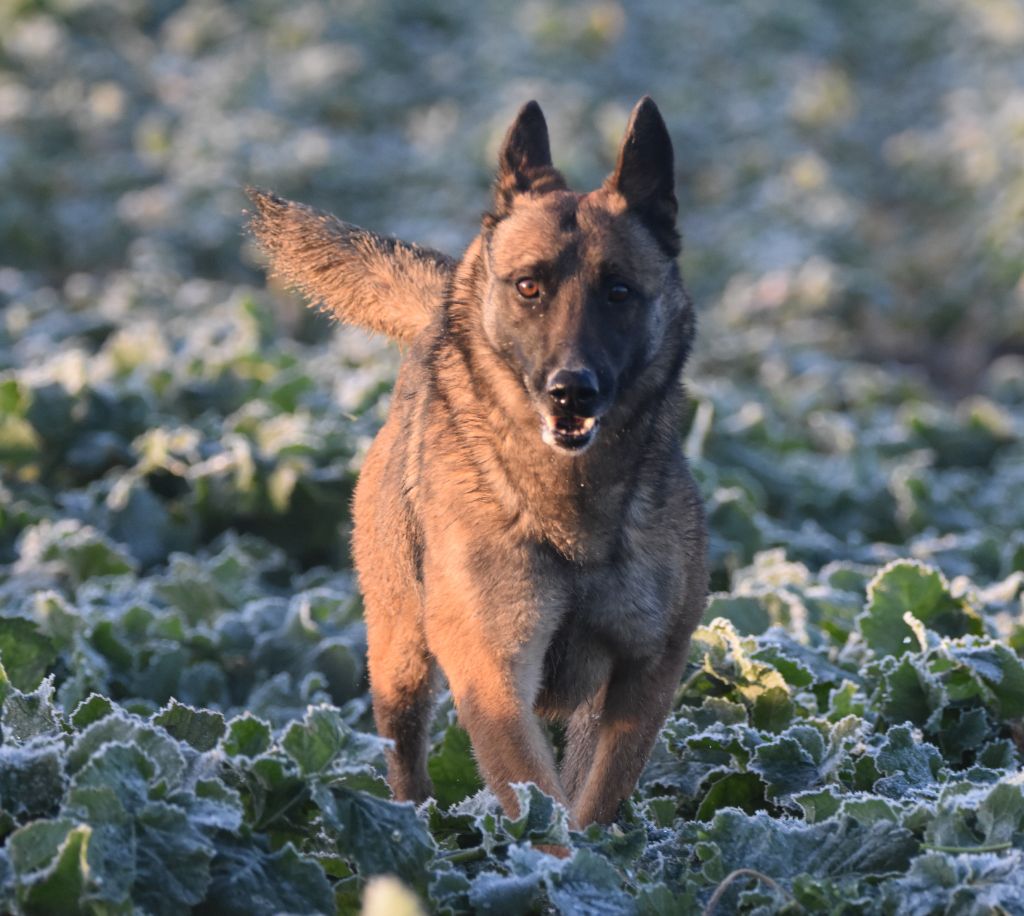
(618, 739)
(493, 657)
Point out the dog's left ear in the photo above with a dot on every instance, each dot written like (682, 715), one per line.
(524, 162)
(645, 174)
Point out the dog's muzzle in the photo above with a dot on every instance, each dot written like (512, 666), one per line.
(574, 409)
(570, 434)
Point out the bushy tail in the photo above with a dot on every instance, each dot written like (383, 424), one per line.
(381, 284)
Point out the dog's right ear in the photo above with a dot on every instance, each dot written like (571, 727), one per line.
(524, 162)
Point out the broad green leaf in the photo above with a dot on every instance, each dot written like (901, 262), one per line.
(172, 860)
(791, 762)
(246, 736)
(736, 790)
(588, 885)
(26, 653)
(246, 878)
(818, 805)
(905, 762)
(31, 779)
(745, 612)
(452, 767)
(79, 551)
(943, 883)
(785, 848)
(60, 884)
(492, 892)
(211, 805)
(910, 692)
(772, 710)
(541, 819)
(165, 753)
(200, 728)
(123, 768)
(379, 836)
(319, 740)
(910, 587)
(1000, 669)
(31, 715)
(91, 709)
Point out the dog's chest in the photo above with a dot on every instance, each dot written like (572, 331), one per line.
(622, 600)
(625, 603)
(606, 613)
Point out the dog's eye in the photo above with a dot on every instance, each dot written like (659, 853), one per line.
(618, 292)
(528, 288)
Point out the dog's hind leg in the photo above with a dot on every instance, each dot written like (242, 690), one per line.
(402, 677)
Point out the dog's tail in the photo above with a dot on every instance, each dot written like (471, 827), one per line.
(381, 284)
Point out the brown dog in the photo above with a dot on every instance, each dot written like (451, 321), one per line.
(525, 521)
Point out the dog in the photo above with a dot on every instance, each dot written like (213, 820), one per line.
(525, 522)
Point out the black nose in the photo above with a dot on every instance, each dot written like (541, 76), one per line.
(574, 390)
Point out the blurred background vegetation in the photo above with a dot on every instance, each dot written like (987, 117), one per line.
(851, 181)
(854, 168)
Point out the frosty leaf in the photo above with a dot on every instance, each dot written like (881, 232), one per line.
(942, 883)
(379, 836)
(906, 763)
(744, 612)
(790, 763)
(165, 753)
(911, 587)
(172, 860)
(801, 665)
(200, 728)
(246, 736)
(322, 736)
(735, 790)
(492, 892)
(773, 709)
(818, 805)
(999, 669)
(452, 767)
(26, 653)
(910, 692)
(588, 885)
(784, 848)
(965, 731)
(30, 715)
(78, 550)
(51, 868)
(31, 778)
(123, 768)
(91, 709)
(541, 819)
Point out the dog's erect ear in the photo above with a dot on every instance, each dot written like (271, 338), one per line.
(644, 175)
(524, 163)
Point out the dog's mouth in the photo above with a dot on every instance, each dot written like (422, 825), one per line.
(569, 433)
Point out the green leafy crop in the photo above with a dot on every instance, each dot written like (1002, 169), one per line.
(185, 720)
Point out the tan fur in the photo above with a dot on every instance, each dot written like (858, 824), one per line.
(361, 278)
(541, 583)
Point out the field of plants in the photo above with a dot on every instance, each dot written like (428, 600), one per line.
(185, 718)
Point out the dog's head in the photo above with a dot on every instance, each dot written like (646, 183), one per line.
(580, 289)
